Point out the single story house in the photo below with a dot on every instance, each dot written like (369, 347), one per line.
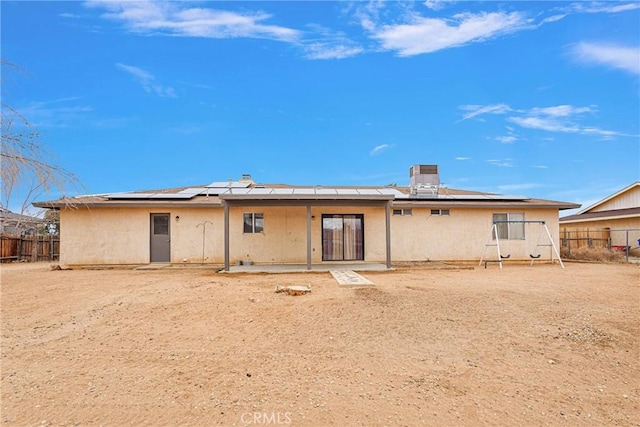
(614, 220)
(226, 223)
(17, 224)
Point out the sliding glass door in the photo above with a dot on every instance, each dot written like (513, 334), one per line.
(342, 237)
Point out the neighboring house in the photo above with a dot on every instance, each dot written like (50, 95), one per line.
(225, 223)
(609, 218)
(17, 224)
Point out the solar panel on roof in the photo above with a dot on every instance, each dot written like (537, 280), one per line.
(331, 191)
(234, 184)
(147, 196)
(347, 191)
(172, 196)
(260, 191)
(389, 191)
(128, 195)
(368, 191)
(304, 191)
(238, 191)
(282, 191)
(193, 190)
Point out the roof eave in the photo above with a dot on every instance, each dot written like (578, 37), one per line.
(304, 197)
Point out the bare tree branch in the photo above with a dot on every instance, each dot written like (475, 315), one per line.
(25, 163)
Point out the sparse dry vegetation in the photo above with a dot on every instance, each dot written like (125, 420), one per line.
(594, 255)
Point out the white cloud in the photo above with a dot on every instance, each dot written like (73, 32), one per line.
(540, 166)
(409, 33)
(615, 56)
(543, 123)
(324, 51)
(425, 35)
(380, 148)
(554, 124)
(558, 118)
(437, 4)
(477, 110)
(503, 163)
(329, 44)
(148, 81)
(508, 139)
(463, 158)
(604, 7)
(58, 113)
(562, 110)
(552, 18)
(175, 18)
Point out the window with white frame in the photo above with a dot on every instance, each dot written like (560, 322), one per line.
(509, 230)
(443, 212)
(253, 222)
(403, 212)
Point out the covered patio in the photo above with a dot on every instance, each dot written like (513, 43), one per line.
(302, 268)
(308, 200)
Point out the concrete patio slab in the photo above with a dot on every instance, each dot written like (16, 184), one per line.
(302, 268)
(350, 278)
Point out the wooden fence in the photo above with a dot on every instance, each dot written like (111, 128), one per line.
(576, 238)
(29, 248)
(626, 240)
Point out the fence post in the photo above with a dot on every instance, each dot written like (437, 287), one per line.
(34, 248)
(20, 248)
(569, 242)
(627, 246)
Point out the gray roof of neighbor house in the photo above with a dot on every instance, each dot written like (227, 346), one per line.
(248, 192)
(602, 215)
(14, 221)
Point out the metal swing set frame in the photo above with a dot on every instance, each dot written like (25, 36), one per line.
(494, 240)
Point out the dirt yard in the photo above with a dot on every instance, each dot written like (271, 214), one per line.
(521, 346)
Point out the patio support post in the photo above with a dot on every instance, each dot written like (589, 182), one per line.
(226, 236)
(387, 220)
(308, 237)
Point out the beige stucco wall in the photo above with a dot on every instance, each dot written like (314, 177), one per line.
(121, 235)
(284, 239)
(463, 234)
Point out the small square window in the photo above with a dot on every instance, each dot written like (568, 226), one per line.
(435, 211)
(397, 211)
(445, 212)
(253, 222)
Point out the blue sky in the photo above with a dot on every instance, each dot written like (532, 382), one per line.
(534, 98)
